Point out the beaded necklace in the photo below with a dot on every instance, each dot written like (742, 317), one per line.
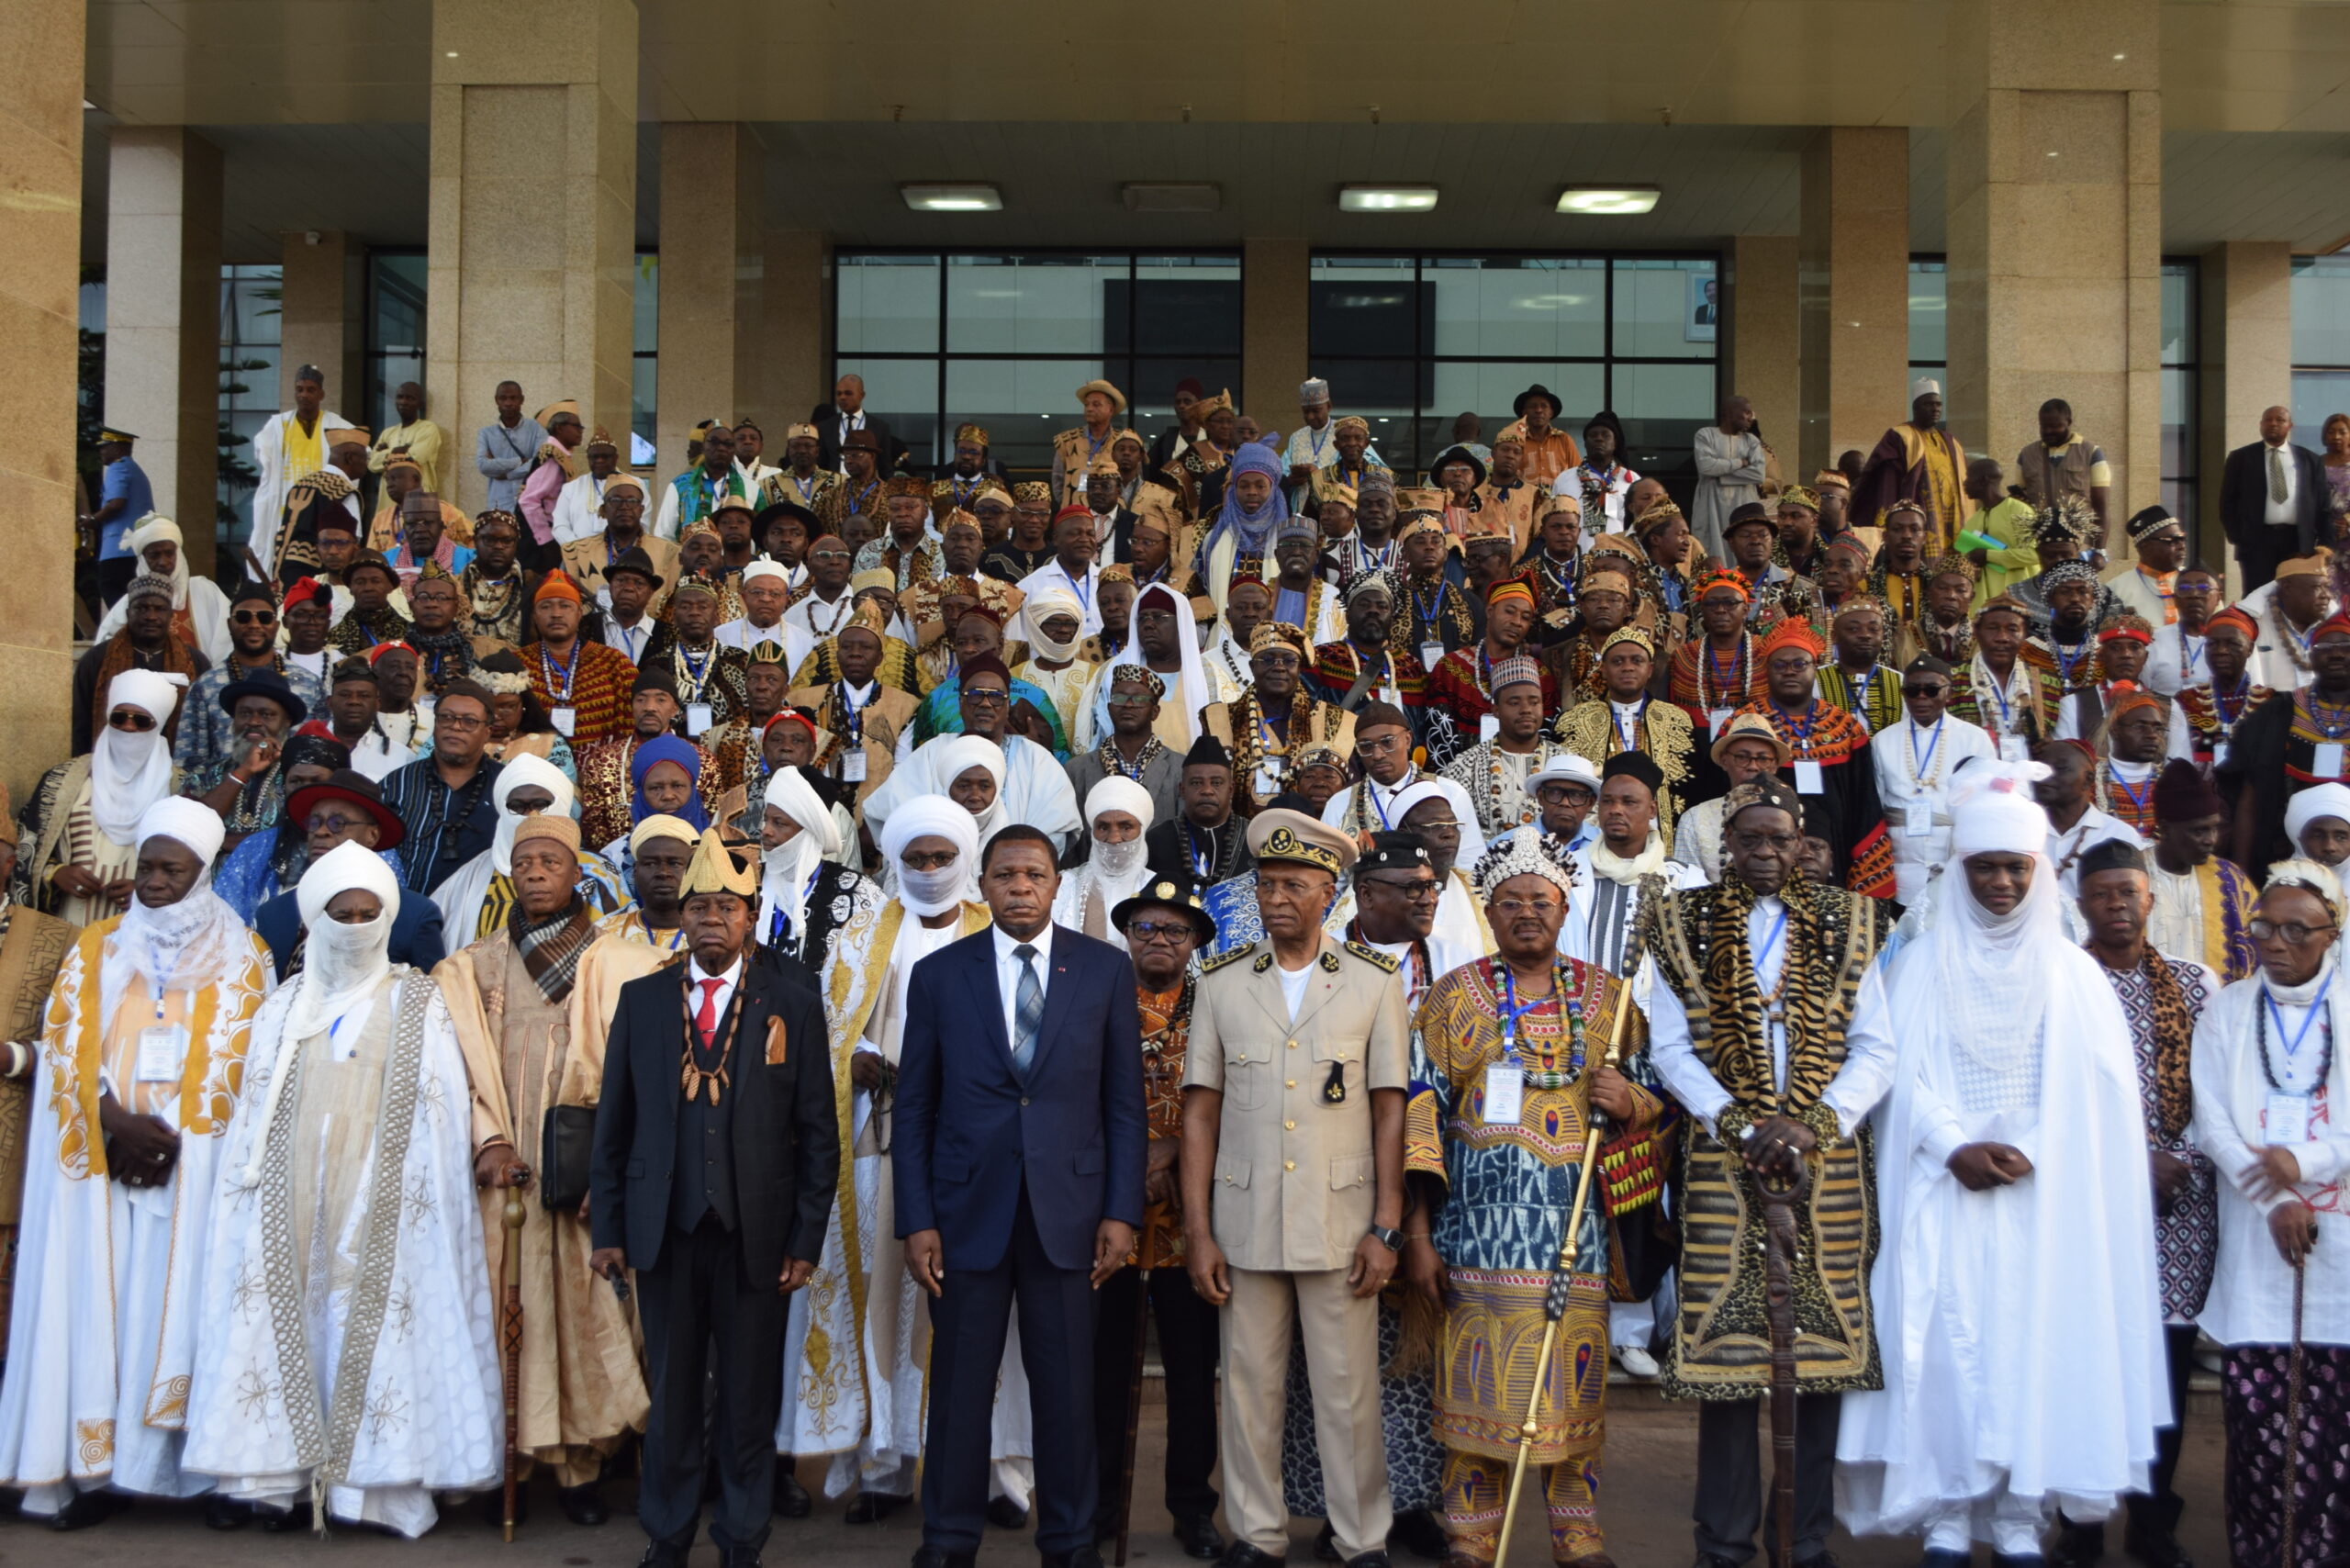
(1499, 978)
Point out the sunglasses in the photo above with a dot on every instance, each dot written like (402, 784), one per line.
(254, 616)
(1936, 689)
(129, 719)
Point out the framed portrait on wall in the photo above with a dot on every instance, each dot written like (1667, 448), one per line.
(1702, 315)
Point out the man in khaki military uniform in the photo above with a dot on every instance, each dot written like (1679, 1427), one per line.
(1294, 1086)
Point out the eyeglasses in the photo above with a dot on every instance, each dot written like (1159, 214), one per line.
(129, 719)
(1420, 891)
(333, 822)
(1560, 794)
(1277, 658)
(828, 554)
(982, 694)
(2294, 933)
(1117, 701)
(927, 859)
(1379, 747)
(1159, 930)
(1935, 689)
(1784, 843)
(444, 719)
(254, 616)
(1511, 908)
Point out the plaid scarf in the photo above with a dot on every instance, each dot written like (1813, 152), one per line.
(551, 947)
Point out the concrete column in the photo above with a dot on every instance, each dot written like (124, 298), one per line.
(2056, 231)
(322, 320)
(1763, 352)
(1853, 291)
(40, 168)
(2244, 364)
(164, 318)
(1272, 329)
(712, 259)
(795, 360)
(533, 212)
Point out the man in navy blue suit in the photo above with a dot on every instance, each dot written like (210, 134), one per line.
(1020, 1132)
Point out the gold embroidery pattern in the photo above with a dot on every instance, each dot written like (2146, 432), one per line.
(94, 1444)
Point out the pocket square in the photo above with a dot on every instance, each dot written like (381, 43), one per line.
(775, 1042)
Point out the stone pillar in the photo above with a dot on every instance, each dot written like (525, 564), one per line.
(40, 168)
(2056, 231)
(1854, 291)
(796, 359)
(713, 256)
(1272, 329)
(163, 319)
(1761, 354)
(2244, 364)
(323, 318)
(533, 214)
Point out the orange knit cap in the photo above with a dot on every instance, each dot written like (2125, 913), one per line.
(557, 586)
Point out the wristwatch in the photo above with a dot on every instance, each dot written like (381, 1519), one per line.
(1391, 1239)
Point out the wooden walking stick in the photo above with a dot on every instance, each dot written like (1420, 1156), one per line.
(511, 1341)
(1782, 1190)
(2294, 1370)
(1554, 1305)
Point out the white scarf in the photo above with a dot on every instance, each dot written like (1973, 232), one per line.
(786, 871)
(1624, 870)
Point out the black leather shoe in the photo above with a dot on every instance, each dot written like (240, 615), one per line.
(872, 1507)
(86, 1508)
(2075, 1543)
(1240, 1554)
(2155, 1545)
(285, 1521)
(1005, 1514)
(1368, 1560)
(1199, 1538)
(582, 1504)
(1938, 1557)
(227, 1513)
(1420, 1533)
(739, 1557)
(1083, 1557)
(660, 1555)
(1325, 1544)
(791, 1499)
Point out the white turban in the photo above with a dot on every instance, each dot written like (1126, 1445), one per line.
(788, 871)
(341, 961)
(155, 526)
(525, 769)
(1119, 793)
(1472, 833)
(932, 816)
(1049, 601)
(348, 864)
(766, 567)
(958, 756)
(131, 770)
(186, 822)
(1992, 811)
(2318, 800)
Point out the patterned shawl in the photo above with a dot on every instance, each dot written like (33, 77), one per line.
(551, 947)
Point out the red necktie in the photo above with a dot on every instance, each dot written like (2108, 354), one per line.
(706, 1017)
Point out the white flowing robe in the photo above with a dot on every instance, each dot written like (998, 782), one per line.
(1035, 790)
(2021, 1326)
(269, 489)
(102, 1342)
(359, 1356)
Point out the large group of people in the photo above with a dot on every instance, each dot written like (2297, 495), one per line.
(1413, 939)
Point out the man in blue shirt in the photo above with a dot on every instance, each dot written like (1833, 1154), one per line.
(124, 497)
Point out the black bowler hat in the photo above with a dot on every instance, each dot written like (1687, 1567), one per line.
(1175, 892)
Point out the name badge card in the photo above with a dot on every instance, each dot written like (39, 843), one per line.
(1807, 779)
(1504, 1095)
(2286, 1117)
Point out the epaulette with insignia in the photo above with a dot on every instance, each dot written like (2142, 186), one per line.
(1387, 961)
(1222, 958)
(1264, 961)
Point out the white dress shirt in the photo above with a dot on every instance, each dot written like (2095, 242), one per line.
(629, 639)
(1007, 975)
(725, 992)
(1085, 590)
(820, 617)
(1869, 1053)
(2175, 660)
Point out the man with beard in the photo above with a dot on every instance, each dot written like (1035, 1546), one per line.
(1603, 604)
(1132, 750)
(1857, 680)
(2216, 703)
(864, 715)
(247, 785)
(145, 642)
(708, 675)
(1363, 667)
(1436, 617)
(372, 618)
(1205, 840)
(205, 735)
(1556, 564)
(1493, 772)
(1763, 1083)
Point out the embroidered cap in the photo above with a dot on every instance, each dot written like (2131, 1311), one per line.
(1294, 838)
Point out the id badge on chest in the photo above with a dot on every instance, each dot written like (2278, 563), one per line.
(1269, 780)
(562, 719)
(853, 765)
(2012, 749)
(1807, 779)
(1715, 718)
(162, 1052)
(2327, 761)
(1431, 655)
(697, 718)
(2286, 1117)
(1504, 1095)
(1917, 821)
(1489, 726)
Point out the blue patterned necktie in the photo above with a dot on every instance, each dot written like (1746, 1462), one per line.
(1027, 1011)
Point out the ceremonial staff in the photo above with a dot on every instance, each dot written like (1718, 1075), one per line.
(1782, 1188)
(510, 1335)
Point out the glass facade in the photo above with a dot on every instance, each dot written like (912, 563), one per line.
(1413, 342)
(1930, 325)
(645, 367)
(251, 327)
(394, 352)
(1005, 339)
(2321, 344)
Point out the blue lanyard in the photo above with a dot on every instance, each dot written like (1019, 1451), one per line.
(2293, 1046)
(2137, 797)
(1861, 684)
(1770, 941)
(1918, 763)
(1512, 1010)
(1084, 592)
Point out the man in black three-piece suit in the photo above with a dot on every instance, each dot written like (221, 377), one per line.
(716, 1153)
(1020, 1139)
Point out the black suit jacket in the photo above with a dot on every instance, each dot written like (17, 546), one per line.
(785, 1140)
(827, 421)
(969, 1132)
(2243, 494)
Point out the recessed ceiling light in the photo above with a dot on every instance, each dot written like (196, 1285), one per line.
(1163, 197)
(1608, 201)
(1387, 198)
(448, 54)
(952, 199)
